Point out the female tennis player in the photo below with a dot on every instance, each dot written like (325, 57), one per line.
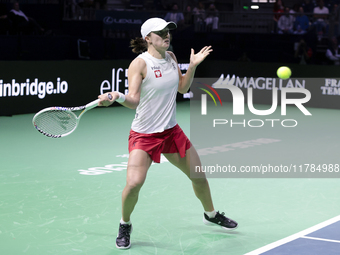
(154, 79)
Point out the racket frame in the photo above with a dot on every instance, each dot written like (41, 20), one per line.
(70, 110)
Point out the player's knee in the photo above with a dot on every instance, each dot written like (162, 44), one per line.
(134, 186)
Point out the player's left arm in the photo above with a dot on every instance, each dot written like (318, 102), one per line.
(195, 59)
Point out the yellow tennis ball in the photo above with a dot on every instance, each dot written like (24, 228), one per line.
(284, 72)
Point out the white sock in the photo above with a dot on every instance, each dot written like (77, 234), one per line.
(211, 214)
(123, 222)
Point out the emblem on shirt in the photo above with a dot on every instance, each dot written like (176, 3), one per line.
(158, 73)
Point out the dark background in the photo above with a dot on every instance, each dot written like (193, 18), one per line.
(84, 47)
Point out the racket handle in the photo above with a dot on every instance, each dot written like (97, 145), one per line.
(93, 104)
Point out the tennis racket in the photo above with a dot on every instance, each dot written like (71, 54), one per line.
(59, 121)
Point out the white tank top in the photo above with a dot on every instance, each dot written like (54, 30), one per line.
(156, 111)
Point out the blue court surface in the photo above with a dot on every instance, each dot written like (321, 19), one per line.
(323, 238)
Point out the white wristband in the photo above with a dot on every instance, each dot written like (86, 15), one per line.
(121, 98)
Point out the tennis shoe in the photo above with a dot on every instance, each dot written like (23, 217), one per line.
(123, 238)
(220, 220)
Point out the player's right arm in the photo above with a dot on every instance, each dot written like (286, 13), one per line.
(136, 73)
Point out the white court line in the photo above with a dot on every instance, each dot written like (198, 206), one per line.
(294, 236)
(320, 239)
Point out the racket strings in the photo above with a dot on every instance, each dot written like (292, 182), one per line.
(56, 122)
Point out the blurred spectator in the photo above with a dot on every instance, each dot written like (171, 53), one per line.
(294, 11)
(303, 53)
(329, 4)
(100, 4)
(159, 5)
(333, 51)
(86, 4)
(199, 17)
(301, 24)
(5, 24)
(188, 15)
(321, 15)
(295, 8)
(286, 23)
(277, 10)
(335, 17)
(175, 16)
(22, 23)
(308, 6)
(212, 17)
